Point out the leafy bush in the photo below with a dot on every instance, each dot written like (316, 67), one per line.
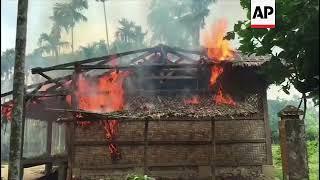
(313, 160)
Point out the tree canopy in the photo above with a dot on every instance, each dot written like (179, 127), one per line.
(128, 36)
(293, 44)
(176, 22)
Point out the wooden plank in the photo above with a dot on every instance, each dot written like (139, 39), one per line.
(168, 77)
(61, 171)
(143, 56)
(121, 116)
(48, 166)
(126, 166)
(153, 143)
(74, 104)
(36, 161)
(197, 52)
(182, 56)
(267, 128)
(213, 152)
(39, 84)
(180, 119)
(91, 60)
(149, 66)
(145, 148)
(22, 138)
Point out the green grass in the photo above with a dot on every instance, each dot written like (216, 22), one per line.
(313, 159)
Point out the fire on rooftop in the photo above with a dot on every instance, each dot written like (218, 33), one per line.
(169, 112)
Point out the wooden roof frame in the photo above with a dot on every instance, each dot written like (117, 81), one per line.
(101, 61)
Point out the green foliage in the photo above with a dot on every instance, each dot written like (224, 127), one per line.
(50, 43)
(311, 120)
(66, 15)
(177, 23)
(129, 36)
(95, 49)
(313, 160)
(296, 38)
(277, 162)
(7, 60)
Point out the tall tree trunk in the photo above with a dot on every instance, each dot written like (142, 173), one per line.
(106, 23)
(56, 54)
(196, 36)
(18, 94)
(72, 39)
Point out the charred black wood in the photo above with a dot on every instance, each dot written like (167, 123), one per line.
(91, 60)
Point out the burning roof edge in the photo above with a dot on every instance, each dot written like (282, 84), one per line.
(240, 60)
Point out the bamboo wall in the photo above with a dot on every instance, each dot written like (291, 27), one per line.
(178, 149)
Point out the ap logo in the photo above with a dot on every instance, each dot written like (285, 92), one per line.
(263, 13)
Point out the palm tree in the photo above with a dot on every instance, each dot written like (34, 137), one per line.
(128, 36)
(50, 43)
(129, 32)
(162, 21)
(94, 50)
(178, 22)
(7, 60)
(66, 15)
(105, 21)
(194, 21)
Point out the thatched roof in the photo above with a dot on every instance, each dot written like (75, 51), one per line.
(242, 60)
(165, 106)
(173, 108)
(177, 106)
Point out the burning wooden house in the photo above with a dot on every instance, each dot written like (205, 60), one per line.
(168, 112)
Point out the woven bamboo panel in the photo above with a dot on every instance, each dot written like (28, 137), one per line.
(100, 156)
(130, 131)
(239, 173)
(108, 174)
(178, 154)
(241, 154)
(239, 130)
(174, 173)
(179, 131)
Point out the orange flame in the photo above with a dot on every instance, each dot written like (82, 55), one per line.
(216, 71)
(102, 95)
(221, 98)
(218, 49)
(194, 100)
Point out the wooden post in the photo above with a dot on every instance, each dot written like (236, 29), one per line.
(213, 151)
(293, 144)
(145, 164)
(267, 127)
(62, 171)
(22, 135)
(48, 166)
(15, 166)
(71, 126)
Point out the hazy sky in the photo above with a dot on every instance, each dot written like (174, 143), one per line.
(94, 29)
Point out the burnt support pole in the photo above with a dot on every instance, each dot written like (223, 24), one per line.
(293, 144)
(71, 126)
(213, 151)
(145, 154)
(16, 136)
(48, 166)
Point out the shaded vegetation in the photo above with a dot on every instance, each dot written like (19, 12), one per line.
(313, 160)
(294, 45)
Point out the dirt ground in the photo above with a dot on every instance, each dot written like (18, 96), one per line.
(29, 173)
